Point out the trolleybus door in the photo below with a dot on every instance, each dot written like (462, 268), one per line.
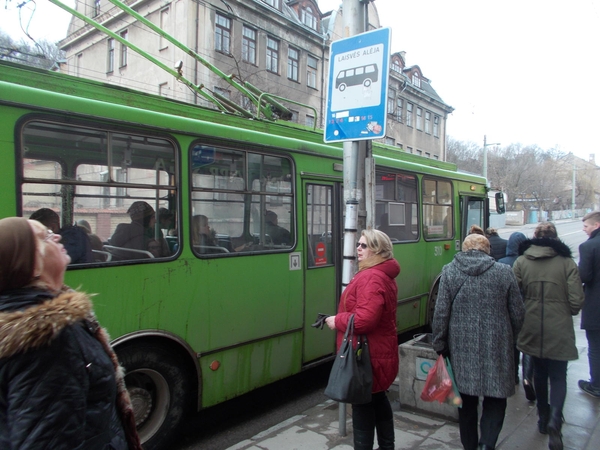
(322, 215)
(475, 211)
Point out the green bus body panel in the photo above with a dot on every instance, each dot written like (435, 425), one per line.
(249, 314)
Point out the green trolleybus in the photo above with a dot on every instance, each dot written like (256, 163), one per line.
(226, 302)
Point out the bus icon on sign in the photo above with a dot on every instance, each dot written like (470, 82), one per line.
(365, 75)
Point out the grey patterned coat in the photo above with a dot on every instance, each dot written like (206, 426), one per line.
(478, 315)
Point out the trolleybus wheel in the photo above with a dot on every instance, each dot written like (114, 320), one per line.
(367, 82)
(342, 87)
(157, 386)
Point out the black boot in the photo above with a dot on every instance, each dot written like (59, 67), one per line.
(554, 426)
(544, 416)
(385, 434)
(484, 447)
(528, 378)
(363, 439)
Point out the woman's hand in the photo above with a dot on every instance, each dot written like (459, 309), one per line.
(330, 321)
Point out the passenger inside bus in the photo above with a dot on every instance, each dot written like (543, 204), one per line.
(279, 235)
(135, 235)
(75, 239)
(204, 239)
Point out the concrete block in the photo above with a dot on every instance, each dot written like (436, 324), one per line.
(411, 380)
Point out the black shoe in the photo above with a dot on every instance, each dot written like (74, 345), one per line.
(484, 447)
(586, 387)
(529, 390)
(554, 426)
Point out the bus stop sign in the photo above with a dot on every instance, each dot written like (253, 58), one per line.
(357, 87)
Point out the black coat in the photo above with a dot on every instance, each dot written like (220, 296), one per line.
(58, 386)
(589, 271)
(497, 247)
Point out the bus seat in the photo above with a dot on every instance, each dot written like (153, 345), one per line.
(122, 253)
(101, 256)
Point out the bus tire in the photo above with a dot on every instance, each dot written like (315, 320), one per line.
(367, 82)
(342, 87)
(159, 390)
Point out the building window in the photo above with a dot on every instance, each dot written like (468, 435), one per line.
(164, 23)
(309, 121)
(123, 59)
(272, 55)
(399, 109)
(396, 66)
(97, 8)
(427, 155)
(419, 152)
(222, 34)
(78, 65)
(311, 71)
(163, 89)
(409, 114)
(273, 3)
(223, 92)
(400, 146)
(419, 119)
(390, 141)
(308, 17)
(249, 45)
(436, 124)
(436, 157)
(110, 57)
(409, 149)
(293, 62)
(416, 80)
(427, 122)
(391, 101)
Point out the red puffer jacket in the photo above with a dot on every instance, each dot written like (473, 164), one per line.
(372, 297)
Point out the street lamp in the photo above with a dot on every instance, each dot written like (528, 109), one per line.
(485, 145)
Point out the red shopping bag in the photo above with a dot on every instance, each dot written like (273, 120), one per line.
(438, 384)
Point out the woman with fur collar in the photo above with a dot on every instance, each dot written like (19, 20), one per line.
(61, 386)
(372, 298)
(552, 291)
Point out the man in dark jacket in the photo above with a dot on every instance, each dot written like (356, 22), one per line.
(589, 271)
(497, 244)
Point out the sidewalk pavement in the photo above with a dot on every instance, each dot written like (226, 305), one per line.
(317, 428)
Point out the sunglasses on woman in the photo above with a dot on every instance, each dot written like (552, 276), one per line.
(361, 245)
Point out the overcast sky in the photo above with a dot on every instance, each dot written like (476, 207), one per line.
(523, 71)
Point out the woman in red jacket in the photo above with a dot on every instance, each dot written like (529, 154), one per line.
(372, 297)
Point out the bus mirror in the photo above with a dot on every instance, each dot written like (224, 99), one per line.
(500, 209)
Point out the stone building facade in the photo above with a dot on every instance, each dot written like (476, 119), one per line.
(279, 46)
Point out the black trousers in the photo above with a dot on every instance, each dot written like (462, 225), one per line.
(368, 417)
(492, 419)
(556, 372)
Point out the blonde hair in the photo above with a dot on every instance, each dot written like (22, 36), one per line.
(379, 243)
(593, 217)
(545, 230)
(476, 242)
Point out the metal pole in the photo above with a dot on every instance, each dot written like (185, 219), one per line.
(573, 190)
(484, 157)
(354, 13)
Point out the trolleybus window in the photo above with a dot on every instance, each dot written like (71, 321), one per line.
(319, 230)
(119, 187)
(241, 202)
(437, 209)
(397, 208)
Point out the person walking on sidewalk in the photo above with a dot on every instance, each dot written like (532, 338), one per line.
(549, 280)
(372, 297)
(478, 315)
(512, 253)
(589, 270)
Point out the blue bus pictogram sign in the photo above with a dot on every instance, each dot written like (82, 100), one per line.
(357, 88)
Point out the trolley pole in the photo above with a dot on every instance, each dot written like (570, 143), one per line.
(354, 20)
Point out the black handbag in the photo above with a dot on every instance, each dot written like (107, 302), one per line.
(351, 377)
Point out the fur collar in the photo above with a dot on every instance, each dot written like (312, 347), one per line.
(559, 246)
(39, 324)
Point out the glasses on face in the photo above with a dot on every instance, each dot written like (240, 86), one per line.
(361, 245)
(50, 236)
